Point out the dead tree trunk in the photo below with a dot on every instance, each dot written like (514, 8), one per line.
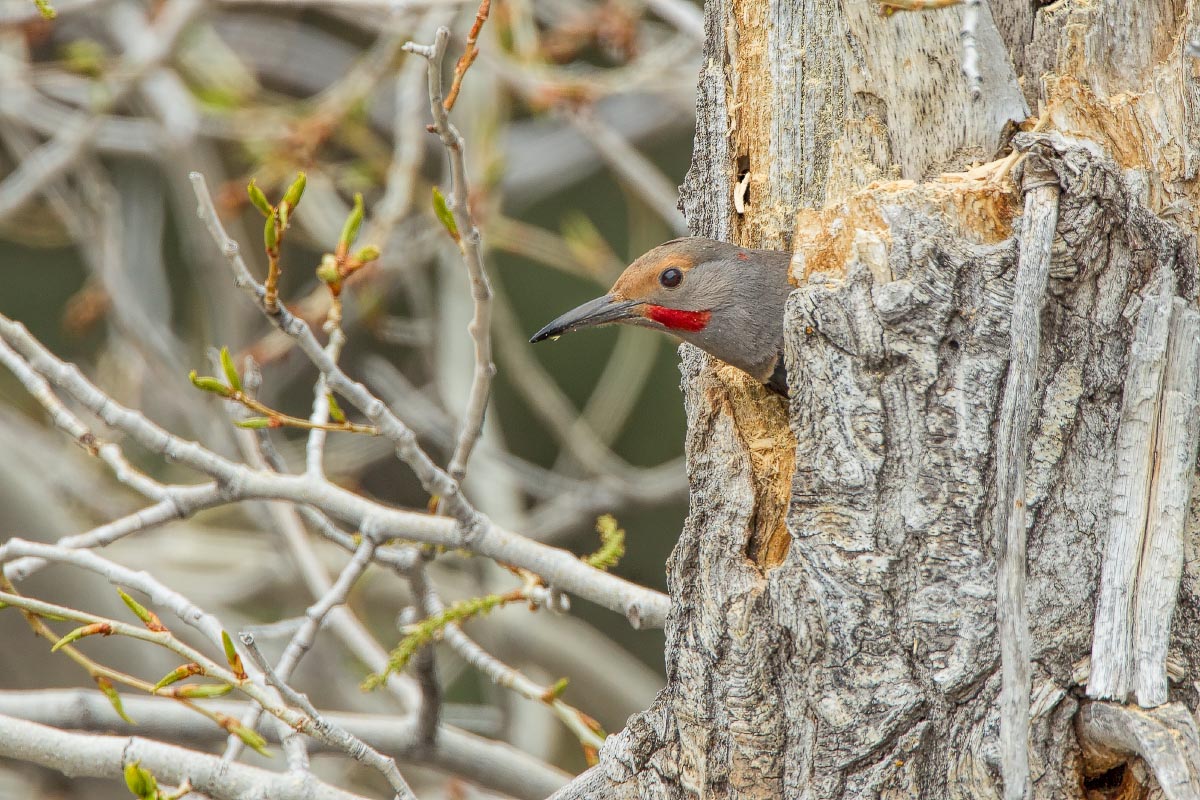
(944, 568)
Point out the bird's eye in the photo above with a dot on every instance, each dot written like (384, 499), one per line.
(670, 278)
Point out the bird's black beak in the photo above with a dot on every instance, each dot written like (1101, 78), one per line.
(601, 311)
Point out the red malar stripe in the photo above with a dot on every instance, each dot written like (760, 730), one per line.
(678, 320)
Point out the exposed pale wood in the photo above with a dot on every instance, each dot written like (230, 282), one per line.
(818, 97)
(1116, 73)
(1175, 469)
(909, 68)
(1008, 511)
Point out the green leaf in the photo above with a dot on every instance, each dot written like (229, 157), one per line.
(252, 740)
(427, 630)
(353, 223)
(295, 191)
(328, 272)
(612, 547)
(231, 373)
(335, 411)
(270, 235)
(148, 617)
(209, 384)
(137, 608)
(254, 423)
(259, 199)
(91, 629)
(45, 9)
(441, 210)
(556, 690)
(367, 254)
(178, 674)
(231, 656)
(141, 781)
(105, 685)
(202, 691)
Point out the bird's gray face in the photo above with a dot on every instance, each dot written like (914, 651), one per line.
(724, 299)
(656, 291)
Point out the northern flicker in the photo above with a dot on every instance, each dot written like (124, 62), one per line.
(726, 300)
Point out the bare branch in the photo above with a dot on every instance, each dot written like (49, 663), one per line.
(473, 529)
(106, 756)
(492, 764)
(469, 244)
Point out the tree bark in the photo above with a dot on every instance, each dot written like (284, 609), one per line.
(919, 577)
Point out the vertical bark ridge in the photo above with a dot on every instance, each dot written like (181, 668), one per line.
(1009, 508)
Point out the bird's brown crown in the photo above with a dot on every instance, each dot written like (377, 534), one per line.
(641, 278)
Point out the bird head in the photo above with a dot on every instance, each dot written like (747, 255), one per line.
(726, 300)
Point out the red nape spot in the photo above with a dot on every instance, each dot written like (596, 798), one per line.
(743, 256)
(678, 320)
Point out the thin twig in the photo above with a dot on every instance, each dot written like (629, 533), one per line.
(341, 620)
(469, 54)
(491, 764)
(472, 253)
(407, 148)
(433, 479)
(62, 417)
(181, 502)
(315, 423)
(314, 451)
(429, 606)
(300, 720)
(303, 638)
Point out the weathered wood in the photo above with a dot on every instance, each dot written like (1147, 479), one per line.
(1165, 738)
(1008, 510)
(1112, 641)
(907, 65)
(816, 98)
(1162, 557)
